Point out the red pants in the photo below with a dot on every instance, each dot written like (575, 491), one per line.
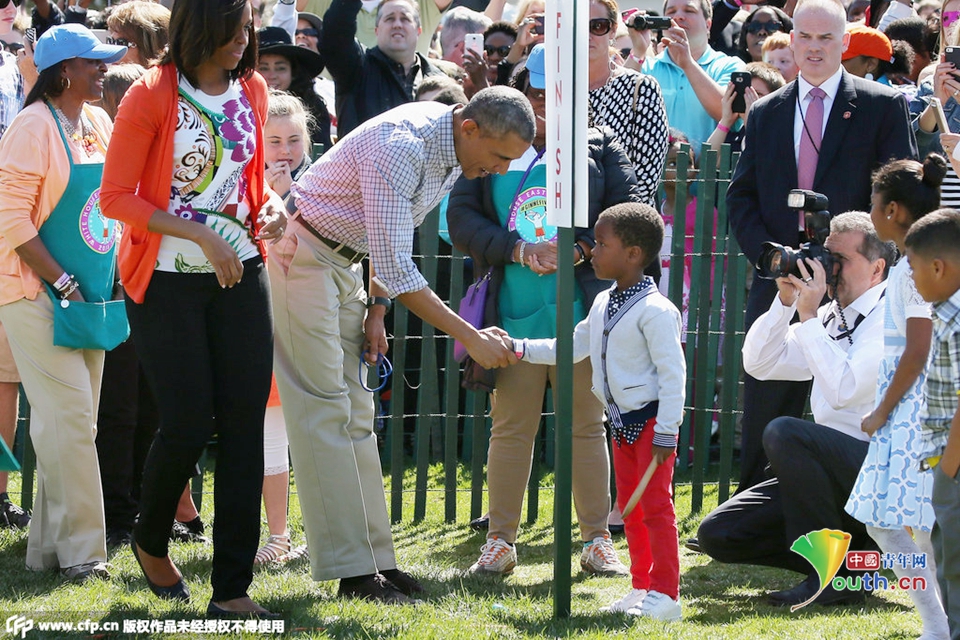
(653, 522)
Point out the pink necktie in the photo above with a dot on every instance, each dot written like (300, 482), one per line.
(810, 138)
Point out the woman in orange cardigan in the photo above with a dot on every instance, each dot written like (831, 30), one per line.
(187, 181)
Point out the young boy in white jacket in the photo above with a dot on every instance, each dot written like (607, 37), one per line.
(632, 335)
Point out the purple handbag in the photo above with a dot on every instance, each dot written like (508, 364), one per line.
(472, 307)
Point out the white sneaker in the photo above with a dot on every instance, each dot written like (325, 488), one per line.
(600, 558)
(632, 600)
(496, 558)
(659, 607)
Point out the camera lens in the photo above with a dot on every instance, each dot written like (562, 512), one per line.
(775, 260)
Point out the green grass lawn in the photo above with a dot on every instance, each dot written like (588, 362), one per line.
(719, 601)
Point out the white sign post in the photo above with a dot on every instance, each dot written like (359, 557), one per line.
(567, 82)
(566, 23)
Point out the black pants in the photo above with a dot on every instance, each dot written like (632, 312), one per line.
(763, 400)
(816, 468)
(208, 355)
(126, 424)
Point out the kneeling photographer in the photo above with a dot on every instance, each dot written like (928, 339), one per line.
(839, 345)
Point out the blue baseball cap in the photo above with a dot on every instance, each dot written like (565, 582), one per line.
(535, 67)
(73, 40)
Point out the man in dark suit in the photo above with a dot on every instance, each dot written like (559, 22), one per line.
(864, 125)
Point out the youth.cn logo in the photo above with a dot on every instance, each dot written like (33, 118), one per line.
(18, 625)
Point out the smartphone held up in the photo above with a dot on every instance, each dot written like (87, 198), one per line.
(741, 80)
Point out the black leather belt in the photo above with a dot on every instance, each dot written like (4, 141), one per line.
(338, 247)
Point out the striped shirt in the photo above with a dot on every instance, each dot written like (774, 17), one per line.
(943, 381)
(950, 189)
(377, 184)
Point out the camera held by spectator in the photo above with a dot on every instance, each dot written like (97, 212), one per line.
(642, 22)
(778, 261)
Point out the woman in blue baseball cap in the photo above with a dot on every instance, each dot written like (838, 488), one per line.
(58, 251)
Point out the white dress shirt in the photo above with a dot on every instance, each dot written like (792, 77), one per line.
(844, 374)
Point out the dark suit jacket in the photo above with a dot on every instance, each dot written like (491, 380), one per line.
(868, 125)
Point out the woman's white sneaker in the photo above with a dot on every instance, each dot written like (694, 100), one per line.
(600, 558)
(496, 558)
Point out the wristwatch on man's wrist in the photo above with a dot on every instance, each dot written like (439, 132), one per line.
(387, 302)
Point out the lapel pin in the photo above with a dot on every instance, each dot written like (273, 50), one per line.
(846, 115)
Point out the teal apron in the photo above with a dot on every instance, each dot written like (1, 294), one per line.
(83, 241)
(77, 234)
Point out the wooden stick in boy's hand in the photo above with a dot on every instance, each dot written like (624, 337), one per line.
(641, 487)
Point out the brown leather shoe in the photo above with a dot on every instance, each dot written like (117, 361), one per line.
(375, 587)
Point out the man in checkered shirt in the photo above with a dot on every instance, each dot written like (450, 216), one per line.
(366, 196)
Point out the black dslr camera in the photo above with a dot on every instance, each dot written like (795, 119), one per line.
(656, 23)
(778, 261)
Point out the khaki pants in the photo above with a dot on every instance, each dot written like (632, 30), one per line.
(319, 304)
(516, 403)
(63, 386)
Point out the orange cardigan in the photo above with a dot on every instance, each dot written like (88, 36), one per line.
(138, 172)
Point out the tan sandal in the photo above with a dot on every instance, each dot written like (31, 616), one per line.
(275, 550)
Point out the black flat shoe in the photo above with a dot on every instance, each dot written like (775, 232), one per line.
(176, 591)
(480, 524)
(213, 611)
(188, 531)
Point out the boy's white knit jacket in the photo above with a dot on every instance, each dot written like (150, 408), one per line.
(643, 359)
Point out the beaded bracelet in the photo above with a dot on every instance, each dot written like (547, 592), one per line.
(73, 286)
(523, 245)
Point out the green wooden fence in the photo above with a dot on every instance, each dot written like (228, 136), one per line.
(446, 424)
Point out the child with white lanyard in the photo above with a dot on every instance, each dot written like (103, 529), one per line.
(632, 335)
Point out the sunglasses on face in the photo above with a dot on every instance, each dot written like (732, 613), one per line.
(4, 3)
(600, 26)
(120, 42)
(503, 51)
(949, 17)
(310, 33)
(770, 26)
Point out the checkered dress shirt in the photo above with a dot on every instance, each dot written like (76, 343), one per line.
(943, 381)
(379, 183)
